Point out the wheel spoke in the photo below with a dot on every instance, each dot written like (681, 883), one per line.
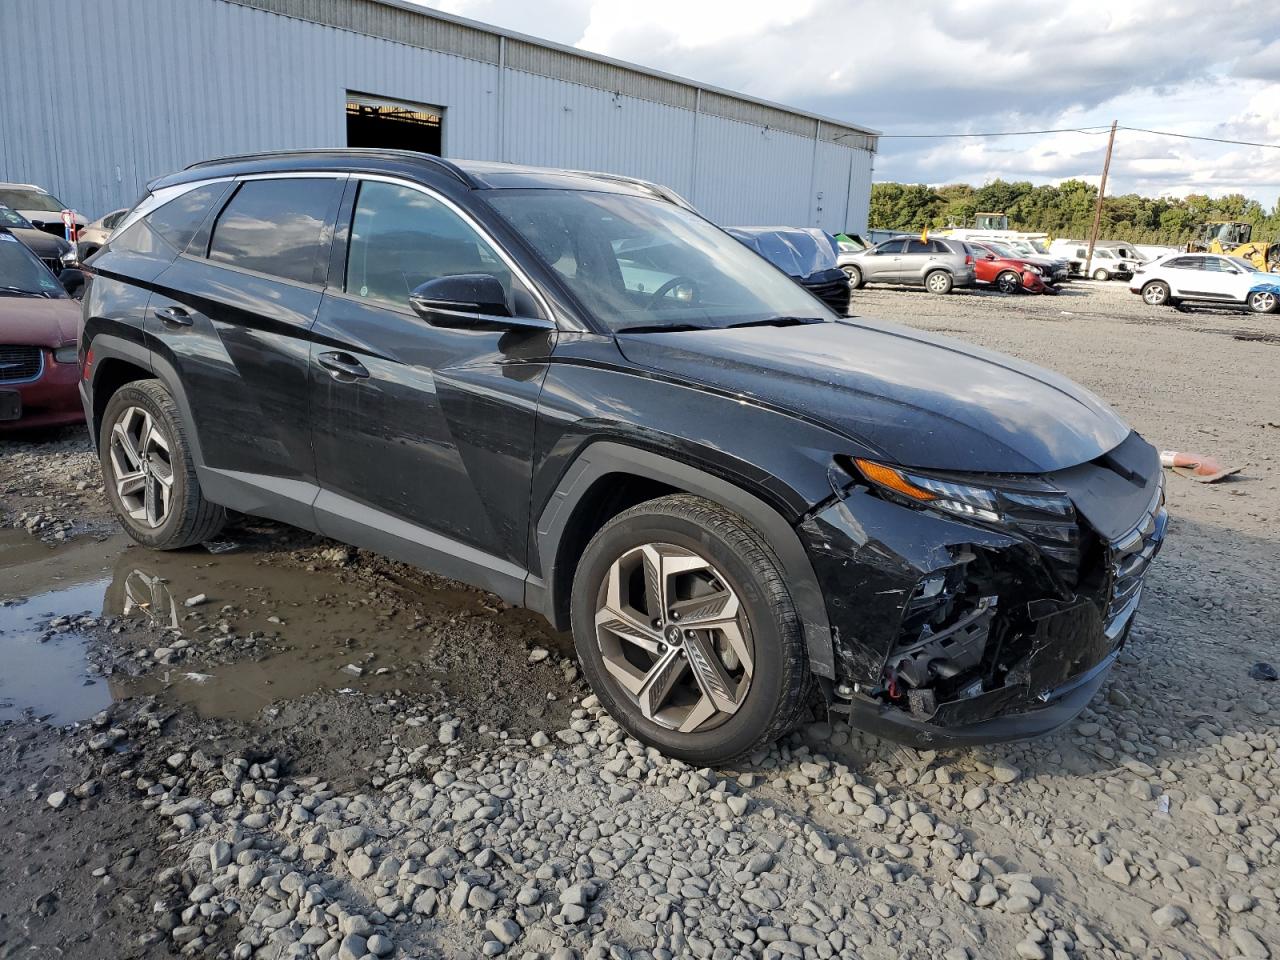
(128, 484)
(660, 681)
(713, 679)
(619, 619)
(123, 444)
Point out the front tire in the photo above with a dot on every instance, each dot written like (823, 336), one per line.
(1101, 274)
(1263, 301)
(939, 281)
(1008, 282)
(148, 470)
(1156, 293)
(687, 632)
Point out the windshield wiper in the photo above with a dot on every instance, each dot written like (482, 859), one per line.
(776, 322)
(19, 292)
(662, 328)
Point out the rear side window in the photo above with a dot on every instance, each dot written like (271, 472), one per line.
(178, 220)
(277, 227)
(919, 246)
(1184, 263)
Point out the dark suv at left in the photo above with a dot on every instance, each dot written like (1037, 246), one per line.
(574, 391)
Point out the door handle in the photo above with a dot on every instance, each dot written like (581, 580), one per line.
(342, 365)
(175, 316)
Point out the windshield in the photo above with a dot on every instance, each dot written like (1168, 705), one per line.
(1038, 246)
(1000, 250)
(636, 262)
(11, 218)
(22, 274)
(24, 198)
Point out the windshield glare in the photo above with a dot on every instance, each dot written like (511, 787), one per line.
(639, 262)
(21, 273)
(21, 198)
(11, 218)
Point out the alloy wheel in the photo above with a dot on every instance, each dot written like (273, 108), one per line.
(1263, 301)
(674, 636)
(1154, 295)
(1008, 283)
(141, 467)
(937, 283)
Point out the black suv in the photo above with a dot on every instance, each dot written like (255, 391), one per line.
(574, 391)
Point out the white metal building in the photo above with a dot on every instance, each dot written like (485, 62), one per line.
(150, 86)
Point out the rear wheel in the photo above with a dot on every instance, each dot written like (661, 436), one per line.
(1156, 293)
(148, 470)
(939, 281)
(1008, 282)
(855, 276)
(1101, 274)
(1263, 301)
(686, 630)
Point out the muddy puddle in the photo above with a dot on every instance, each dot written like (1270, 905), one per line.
(242, 628)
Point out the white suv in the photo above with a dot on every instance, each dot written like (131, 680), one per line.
(1206, 278)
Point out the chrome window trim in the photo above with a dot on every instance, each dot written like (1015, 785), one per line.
(473, 223)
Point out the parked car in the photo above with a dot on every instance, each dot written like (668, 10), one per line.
(54, 252)
(731, 496)
(1107, 262)
(1053, 269)
(807, 255)
(997, 267)
(39, 324)
(1206, 278)
(95, 234)
(38, 205)
(935, 263)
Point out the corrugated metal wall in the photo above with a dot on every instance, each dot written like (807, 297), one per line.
(174, 81)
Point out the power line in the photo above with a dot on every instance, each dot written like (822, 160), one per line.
(1006, 133)
(1091, 130)
(1189, 136)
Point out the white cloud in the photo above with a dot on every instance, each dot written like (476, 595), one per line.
(1181, 65)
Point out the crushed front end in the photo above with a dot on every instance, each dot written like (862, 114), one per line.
(983, 608)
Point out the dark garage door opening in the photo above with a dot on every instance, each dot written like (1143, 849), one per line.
(393, 124)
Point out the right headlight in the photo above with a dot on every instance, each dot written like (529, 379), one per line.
(995, 503)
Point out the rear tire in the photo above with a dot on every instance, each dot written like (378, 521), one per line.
(1264, 301)
(939, 281)
(855, 277)
(1156, 294)
(148, 470)
(1101, 274)
(704, 695)
(1008, 282)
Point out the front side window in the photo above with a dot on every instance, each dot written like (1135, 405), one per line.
(24, 198)
(401, 238)
(275, 226)
(635, 261)
(891, 246)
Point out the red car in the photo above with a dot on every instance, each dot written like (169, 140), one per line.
(39, 329)
(1004, 270)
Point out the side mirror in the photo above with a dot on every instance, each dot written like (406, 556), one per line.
(989, 256)
(72, 281)
(469, 300)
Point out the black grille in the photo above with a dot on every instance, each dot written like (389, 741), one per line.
(53, 263)
(19, 363)
(834, 293)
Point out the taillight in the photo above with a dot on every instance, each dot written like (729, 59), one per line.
(968, 259)
(86, 366)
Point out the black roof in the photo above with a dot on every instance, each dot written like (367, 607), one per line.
(475, 174)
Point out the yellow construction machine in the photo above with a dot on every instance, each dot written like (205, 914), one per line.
(1235, 239)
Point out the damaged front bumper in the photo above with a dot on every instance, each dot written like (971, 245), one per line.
(947, 632)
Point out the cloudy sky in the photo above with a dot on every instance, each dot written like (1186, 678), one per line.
(1205, 67)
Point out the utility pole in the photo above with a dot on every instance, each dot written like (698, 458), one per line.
(1097, 211)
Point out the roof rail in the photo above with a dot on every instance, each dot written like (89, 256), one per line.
(411, 155)
(666, 193)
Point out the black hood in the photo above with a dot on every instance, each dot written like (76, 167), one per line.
(915, 398)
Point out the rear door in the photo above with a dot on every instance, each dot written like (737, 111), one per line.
(232, 316)
(916, 258)
(423, 434)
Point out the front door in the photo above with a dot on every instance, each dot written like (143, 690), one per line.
(423, 434)
(885, 264)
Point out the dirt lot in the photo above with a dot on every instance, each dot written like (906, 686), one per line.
(278, 747)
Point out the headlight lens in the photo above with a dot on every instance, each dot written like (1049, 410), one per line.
(68, 354)
(69, 258)
(1032, 268)
(971, 501)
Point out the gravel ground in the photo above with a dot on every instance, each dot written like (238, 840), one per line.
(301, 750)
